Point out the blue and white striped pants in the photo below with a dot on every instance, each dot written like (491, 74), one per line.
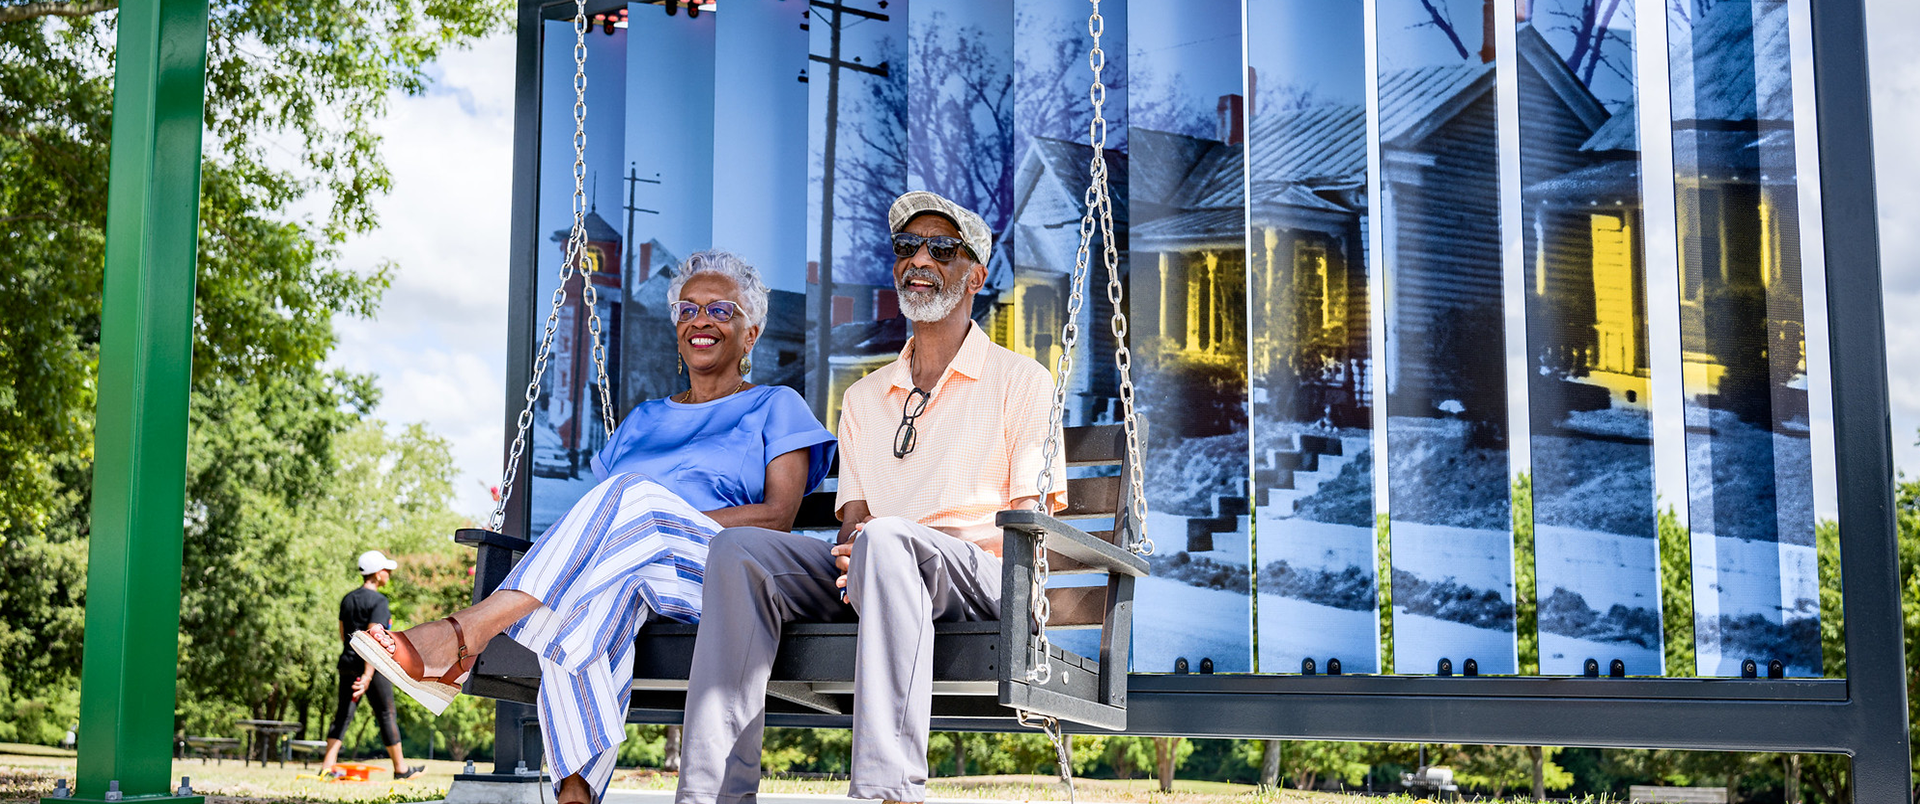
(628, 547)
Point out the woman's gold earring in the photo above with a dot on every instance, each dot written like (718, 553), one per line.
(746, 364)
(682, 364)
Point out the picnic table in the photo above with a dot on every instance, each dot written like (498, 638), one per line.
(266, 734)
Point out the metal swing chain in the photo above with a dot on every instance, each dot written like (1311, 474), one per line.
(576, 247)
(1099, 213)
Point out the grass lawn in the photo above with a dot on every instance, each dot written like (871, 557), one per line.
(24, 778)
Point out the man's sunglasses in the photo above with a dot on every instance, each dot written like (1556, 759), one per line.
(721, 311)
(941, 247)
(904, 438)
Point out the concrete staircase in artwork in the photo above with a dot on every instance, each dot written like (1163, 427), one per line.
(1230, 515)
(1286, 477)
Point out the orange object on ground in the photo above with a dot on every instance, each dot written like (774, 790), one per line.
(355, 771)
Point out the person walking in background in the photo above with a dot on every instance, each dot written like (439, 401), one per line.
(361, 608)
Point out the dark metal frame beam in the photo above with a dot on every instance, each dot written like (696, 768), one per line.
(1863, 716)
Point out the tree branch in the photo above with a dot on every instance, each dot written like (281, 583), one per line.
(55, 8)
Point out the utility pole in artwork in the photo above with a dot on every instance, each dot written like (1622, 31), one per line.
(633, 180)
(835, 16)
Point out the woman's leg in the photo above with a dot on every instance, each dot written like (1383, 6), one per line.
(652, 556)
(481, 622)
(584, 546)
(574, 790)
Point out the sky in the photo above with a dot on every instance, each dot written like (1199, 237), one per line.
(438, 342)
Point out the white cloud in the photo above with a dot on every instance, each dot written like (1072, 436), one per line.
(438, 342)
(1893, 50)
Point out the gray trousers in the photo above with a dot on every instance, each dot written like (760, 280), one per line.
(904, 577)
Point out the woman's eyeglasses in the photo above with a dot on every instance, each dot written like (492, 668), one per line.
(941, 247)
(904, 438)
(721, 311)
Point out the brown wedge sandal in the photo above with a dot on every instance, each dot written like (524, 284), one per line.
(402, 666)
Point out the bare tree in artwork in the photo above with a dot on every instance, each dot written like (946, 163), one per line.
(1440, 17)
(872, 169)
(1591, 26)
(1051, 80)
(965, 151)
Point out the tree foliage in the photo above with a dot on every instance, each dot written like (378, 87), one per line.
(294, 88)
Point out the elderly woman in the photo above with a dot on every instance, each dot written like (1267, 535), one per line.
(722, 453)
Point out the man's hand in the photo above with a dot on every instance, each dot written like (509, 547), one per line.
(843, 552)
(360, 685)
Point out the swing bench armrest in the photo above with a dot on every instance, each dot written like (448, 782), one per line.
(494, 559)
(1089, 690)
(1074, 543)
(476, 537)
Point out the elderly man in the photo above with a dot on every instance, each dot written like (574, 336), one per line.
(932, 445)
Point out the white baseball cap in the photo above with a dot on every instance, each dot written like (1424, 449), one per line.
(373, 561)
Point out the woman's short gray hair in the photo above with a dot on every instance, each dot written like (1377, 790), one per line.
(753, 292)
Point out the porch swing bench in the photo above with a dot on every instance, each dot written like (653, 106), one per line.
(980, 668)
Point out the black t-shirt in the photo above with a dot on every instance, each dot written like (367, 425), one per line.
(360, 608)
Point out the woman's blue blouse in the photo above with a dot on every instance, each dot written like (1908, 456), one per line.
(715, 454)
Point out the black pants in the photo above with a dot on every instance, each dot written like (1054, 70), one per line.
(379, 695)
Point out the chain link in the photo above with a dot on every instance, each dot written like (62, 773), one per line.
(1062, 754)
(575, 252)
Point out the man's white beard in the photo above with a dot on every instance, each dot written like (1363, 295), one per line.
(927, 308)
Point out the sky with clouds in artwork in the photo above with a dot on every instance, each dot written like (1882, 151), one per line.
(438, 343)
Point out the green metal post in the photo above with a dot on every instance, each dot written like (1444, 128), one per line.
(128, 676)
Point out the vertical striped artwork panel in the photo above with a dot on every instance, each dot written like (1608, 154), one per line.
(665, 191)
(567, 426)
(1310, 348)
(1449, 502)
(1743, 337)
(854, 325)
(1589, 359)
(1187, 248)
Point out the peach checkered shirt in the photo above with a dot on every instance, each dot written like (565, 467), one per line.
(980, 439)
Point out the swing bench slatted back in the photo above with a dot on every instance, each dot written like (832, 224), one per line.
(980, 668)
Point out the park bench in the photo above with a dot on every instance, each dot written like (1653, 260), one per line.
(1676, 795)
(308, 750)
(217, 747)
(980, 668)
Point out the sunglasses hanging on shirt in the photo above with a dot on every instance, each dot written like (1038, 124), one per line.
(904, 438)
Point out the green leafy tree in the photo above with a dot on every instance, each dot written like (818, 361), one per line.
(1499, 768)
(1306, 763)
(303, 77)
(1676, 594)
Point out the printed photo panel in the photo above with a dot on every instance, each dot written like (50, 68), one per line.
(1029, 280)
(1595, 529)
(1187, 248)
(854, 325)
(1449, 497)
(1744, 343)
(567, 423)
(1310, 350)
(760, 170)
(666, 191)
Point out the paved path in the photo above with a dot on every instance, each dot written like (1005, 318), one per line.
(618, 796)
